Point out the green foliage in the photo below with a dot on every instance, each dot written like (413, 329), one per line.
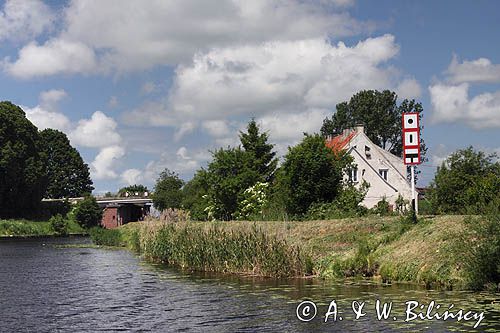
(310, 173)
(228, 176)
(108, 237)
(379, 113)
(24, 228)
(168, 193)
(132, 190)
(466, 183)
(59, 225)
(262, 155)
(347, 204)
(252, 202)
(194, 194)
(382, 208)
(87, 213)
(480, 249)
(23, 164)
(68, 176)
(402, 205)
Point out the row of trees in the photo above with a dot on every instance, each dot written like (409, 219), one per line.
(310, 173)
(36, 164)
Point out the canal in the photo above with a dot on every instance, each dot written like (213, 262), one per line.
(46, 286)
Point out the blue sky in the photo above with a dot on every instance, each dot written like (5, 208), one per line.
(139, 86)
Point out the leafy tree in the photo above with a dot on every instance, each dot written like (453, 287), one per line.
(132, 189)
(229, 174)
(22, 163)
(168, 193)
(466, 182)
(310, 173)
(263, 157)
(87, 213)
(68, 176)
(193, 194)
(380, 115)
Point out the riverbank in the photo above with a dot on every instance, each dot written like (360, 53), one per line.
(20, 228)
(385, 248)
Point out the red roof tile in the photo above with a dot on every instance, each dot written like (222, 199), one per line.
(337, 143)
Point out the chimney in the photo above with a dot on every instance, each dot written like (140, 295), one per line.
(359, 128)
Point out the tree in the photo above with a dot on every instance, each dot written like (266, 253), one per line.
(311, 173)
(22, 163)
(263, 157)
(132, 190)
(68, 176)
(193, 193)
(467, 182)
(87, 212)
(168, 192)
(380, 115)
(229, 174)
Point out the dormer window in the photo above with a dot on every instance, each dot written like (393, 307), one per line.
(368, 153)
(383, 173)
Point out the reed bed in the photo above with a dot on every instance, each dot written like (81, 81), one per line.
(215, 249)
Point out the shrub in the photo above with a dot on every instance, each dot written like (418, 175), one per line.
(108, 237)
(480, 248)
(88, 213)
(382, 208)
(59, 225)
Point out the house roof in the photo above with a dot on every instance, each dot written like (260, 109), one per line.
(339, 142)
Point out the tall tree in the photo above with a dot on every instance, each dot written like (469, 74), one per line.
(380, 115)
(467, 182)
(193, 195)
(310, 173)
(167, 192)
(229, 174)
(263, 157)
(22, 163)
(68, 176)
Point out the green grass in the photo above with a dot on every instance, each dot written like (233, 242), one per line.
(22, 228)
(387, 248)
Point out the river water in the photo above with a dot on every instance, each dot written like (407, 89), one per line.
(46, 287)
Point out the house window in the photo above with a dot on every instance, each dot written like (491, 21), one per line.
(368, 153)
(353, 177)
(383, 173)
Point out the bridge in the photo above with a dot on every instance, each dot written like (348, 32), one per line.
(120, 211)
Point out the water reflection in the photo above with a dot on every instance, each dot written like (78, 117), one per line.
(45, 288)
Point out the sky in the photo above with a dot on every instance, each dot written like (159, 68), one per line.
(140, 86)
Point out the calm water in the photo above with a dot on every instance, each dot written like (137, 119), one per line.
(46, 288)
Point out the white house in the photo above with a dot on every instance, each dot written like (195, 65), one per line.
(385, 172)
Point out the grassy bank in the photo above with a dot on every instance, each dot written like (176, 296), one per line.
(27, 228)
(387, 248)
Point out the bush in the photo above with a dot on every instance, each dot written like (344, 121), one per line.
(88, 213)
(108, 237)
(480, 248)
(382, 208)
(59, 225)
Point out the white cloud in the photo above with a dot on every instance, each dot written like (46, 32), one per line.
(128, 36)
(451, 103)
(49, 99)
(24, 19)
(132, 176)
(46, 114)
(216, 128)
(56, 56)
(409, 88)
(97, 132)
(104, 163)
(481, 70)
(43, 119)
